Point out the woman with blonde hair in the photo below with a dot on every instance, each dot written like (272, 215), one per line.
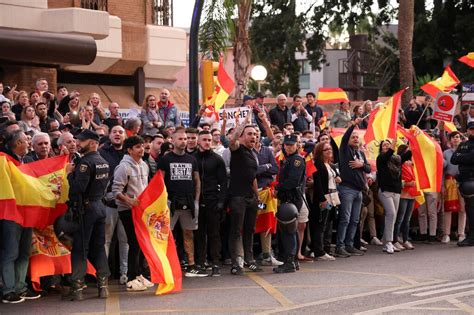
(99, 111)
(21, 101)
(149, 116)
(29, 121)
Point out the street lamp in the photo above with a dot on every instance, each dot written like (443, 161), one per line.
(259, 74)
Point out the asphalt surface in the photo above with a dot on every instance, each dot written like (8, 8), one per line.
(432, 279)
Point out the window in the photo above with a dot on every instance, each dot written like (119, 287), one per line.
(305, 70)
(100, 5)
(163, 12)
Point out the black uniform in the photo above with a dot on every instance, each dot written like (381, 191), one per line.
(87, 188)
(464, 157)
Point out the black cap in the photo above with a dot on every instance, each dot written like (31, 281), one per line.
(470, 125)
(88, 134)
(247, 98)
(290, 139)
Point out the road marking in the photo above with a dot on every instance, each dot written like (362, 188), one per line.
(462, 306)
(429, 308)
(445, 284)
(277, 295)
(414, 303)
(224, 288)
(112, 304)
(444, 290)
(336, 299)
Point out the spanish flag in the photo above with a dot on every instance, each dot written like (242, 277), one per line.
(266, 220)
(151, 219)
(468, 59)
(331, 96)
(34, 194)
(224, 86)
(450, 127)
(445, 84)
(427, 159)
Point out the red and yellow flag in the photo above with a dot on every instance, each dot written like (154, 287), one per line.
(468, 59)
(266, 220)
(450, 127)
(224, 86)
(49, 257)
(331, 96)
(34, 194)
(427, 159)
(446, 83)
(151, 219)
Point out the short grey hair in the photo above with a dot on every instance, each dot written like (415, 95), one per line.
(39, 135)
(62, 137)
(13, 137)
(132, 122)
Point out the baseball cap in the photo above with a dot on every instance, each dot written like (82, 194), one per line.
(470, 125)
(290, 139)
(88, 134)
(247, 98)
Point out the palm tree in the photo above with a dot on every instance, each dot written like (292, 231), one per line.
(406, 12)
(221, 29)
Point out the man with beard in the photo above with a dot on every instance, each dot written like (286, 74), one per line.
(113, 153)
(167, 110)
(464, 158)
(87, 184)
(211, 207)
(147, 158)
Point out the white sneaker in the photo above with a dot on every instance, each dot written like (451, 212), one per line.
(363, 242)
(271, 261)
(375, 241)
(145, 281)
(326, 257)
(399, 246)
(408, 245)
(363, 248)
(135, 285)
(123, 278)
(388, 248)
(446, 239)
(461, 237)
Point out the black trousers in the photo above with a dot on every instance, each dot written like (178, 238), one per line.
(243, 213)
(208, 232)
(89, 243)
(469, 202)
(287, 243)
(134, 251)
(318, 227)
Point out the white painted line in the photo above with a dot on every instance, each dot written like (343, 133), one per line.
(445, 290)
(434, 286)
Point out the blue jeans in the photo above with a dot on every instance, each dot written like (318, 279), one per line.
(16, 254)
(349, 214)
(405, 210)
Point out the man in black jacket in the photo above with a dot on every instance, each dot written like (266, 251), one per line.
(212, 172)
(464, 157)
(352, 165)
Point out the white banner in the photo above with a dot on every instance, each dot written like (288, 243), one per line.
(445, 106)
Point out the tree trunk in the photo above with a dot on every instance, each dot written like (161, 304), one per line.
(406, 14)
(242, 49)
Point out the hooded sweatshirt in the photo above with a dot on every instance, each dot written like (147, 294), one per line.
(130, 178)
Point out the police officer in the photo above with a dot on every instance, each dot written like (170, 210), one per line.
(464, 157)
(87, 184)
(289, 190)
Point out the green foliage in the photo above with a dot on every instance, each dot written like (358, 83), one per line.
(420, 81)
(276, 34)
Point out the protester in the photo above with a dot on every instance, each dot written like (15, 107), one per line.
(342, 116)
(150, 119)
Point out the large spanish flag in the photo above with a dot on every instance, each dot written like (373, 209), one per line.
(34, 194)
(266, 220)
(224, 86)
(468, 59)
(427, 159)
(331, 96)
(152, 226)
(445, 84)
(450, 127)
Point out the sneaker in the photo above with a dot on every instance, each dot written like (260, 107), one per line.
(408, 245)
(466, 242)
(12, 298)
(461, 237)
(354, 251)
(325, 257)
(30, 295)
(363, 248)
(445, 239)
(341, 252)
(227, 261)
(236, 271)
(123, 278)
(388, 248)
(135, 285)
(375, 241)
(253, 267)
(271, 261)
(215, 271)
(363, 242)
(194, 272)
(147, 283)
(399, 246)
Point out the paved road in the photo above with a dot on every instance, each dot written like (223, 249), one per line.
(433, 279)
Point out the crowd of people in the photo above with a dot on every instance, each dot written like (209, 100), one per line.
(214, 177)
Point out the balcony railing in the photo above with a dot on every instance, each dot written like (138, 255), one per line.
(163, 12)
(99, 5)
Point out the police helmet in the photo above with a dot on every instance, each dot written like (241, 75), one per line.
(65, 226)
(467, 188)
(286, 215)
